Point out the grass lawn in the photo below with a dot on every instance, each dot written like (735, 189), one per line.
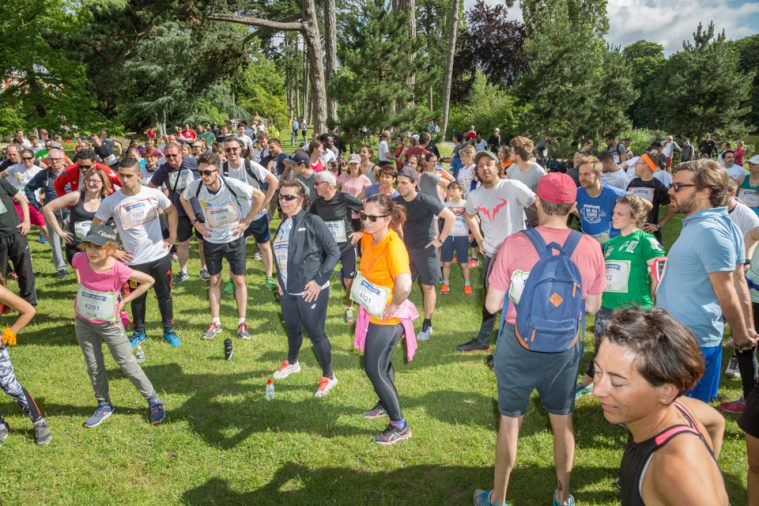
(224, 443)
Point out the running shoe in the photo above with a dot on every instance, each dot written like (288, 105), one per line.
(472, 345)
(103, 411)
(138, 336)
(732, 368)
(325, 385)
(213, 330)
(467, 289)
(582, 390)
(181, 277)
(735, 407)
(258, 256)
(242, 331)
(4, 431)
(170, 336)
(229, 287)
(285, 370)
(271, 284)
(424, 334)
(349, 316)
(474, 263)
(175, 257)
(445, 288)
(42, 239)
(157, 414)
(13, 275)
(204, 274)
(376, 412)
(61, 274)
(42, 434)
(570, 501)
(482, 498)
(392, 434)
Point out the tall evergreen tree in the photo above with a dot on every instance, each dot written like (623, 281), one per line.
(615, 93)
(645, 60)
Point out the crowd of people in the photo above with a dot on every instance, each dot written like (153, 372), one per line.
(122, 216)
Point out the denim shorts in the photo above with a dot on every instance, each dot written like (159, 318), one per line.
(459, 244)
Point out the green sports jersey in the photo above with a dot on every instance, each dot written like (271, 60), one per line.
(627, 278)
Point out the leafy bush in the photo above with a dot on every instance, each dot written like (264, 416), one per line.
(488, 106)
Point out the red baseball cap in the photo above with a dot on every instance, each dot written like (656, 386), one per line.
(557, 188)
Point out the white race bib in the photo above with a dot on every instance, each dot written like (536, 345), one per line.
(96, 305)
(337, 229)
(81, 228)
(518, 280)
(222, 215)
(371, 297)
(617, 276)
(602, 237)
(137, 213)
(749, 197)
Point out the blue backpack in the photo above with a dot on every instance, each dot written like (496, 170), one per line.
(551, 310)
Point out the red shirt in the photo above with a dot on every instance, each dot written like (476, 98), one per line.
(189, 135)
(739, 154)
(471, 135)
(72, 177)
(415, 150)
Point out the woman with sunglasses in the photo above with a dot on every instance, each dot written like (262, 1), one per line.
(382, 290)
(305, 253)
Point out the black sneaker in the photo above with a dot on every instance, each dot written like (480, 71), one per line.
(61, 274)
(392, 434)
(376, 412)
(228, 349)
(42, 435)
(473, 345)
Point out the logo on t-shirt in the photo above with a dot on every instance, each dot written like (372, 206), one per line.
(492, 213)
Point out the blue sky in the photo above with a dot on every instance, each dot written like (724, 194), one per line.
(672, 21)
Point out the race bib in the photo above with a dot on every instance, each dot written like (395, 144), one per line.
(749, 197)
(3, 209)
(616, 158)
(645, 193)
(81, 228)
(137, 213)
(221, 216)
(96, 305)
(337, 229)
(602, 237)
(518, 280)
(371, 297)
(617, 276)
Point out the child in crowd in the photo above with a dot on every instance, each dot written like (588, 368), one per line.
(467, 178)
(458, 241)
(97, 306)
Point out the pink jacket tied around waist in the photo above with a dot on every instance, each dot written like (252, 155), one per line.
(406, 313)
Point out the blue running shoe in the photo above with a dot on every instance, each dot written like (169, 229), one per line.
(482, 498)
(137, 338)
(157, 413)
(42, 239)
(171, 337)
(570, 502)
(103, 411)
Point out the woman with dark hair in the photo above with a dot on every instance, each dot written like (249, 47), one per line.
(315, 152)
(382, 289)
(647, 361)
(305, 261)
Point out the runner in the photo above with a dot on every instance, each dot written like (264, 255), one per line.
(646, 362)
(18, 176)
(228, 210)
(422, 240)
(306, 254)
(748, 191)
(73, 175)
(647, 185)
(8, 382)
(386, 186)
(354, 183)
(458, 241)
(97, 306)
(134, 209)
(386, 314)
(13, 242)
(596, 201)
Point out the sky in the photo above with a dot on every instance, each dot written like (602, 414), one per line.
(670, 22)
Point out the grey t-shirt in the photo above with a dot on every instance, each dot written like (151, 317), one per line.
(428, 182)
(421, 214)
(530, 178)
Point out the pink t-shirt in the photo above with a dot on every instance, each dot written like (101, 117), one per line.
(517, 256)
(109, 282)
(353, 186)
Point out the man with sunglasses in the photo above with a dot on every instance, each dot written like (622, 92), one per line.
(174, 176)
(703, 280)
(73, 176)
(228, 207)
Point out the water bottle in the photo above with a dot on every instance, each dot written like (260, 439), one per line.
(139, 354)
(228, 350)
(269, 390)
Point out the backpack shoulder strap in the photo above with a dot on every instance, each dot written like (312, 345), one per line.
(229, 187)
(197, 192)
(225, 168)
(573, 239)
(537, 241)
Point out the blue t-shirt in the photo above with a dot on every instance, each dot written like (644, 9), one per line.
(595, 213)
(709, 242)
(374, 189)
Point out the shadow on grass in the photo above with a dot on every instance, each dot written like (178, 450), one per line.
(295, 483)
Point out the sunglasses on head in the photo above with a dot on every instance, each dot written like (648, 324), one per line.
(288, 198)
(371, 218)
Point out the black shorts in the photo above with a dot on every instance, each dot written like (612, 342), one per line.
(348, 262)
(749, 419)
(425, 265)
(185, 229)
(233, 251)
(259, 229)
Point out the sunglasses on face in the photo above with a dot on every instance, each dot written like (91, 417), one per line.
(231, 150)
(171, 156)
(206, 172)
(288, 198)
(678, 186)
(371, 218)
(85, 167)
(56, 159)
(27, 158)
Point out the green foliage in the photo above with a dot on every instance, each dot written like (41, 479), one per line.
(645, 60)
(488, 106)
(640, 138)
(260, 89)
(615, 93)
(748, 63)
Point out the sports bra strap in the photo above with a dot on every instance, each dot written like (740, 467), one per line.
(668, 434)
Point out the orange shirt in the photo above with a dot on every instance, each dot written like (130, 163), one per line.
(381, 263)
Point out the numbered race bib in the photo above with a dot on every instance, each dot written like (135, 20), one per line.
(137, 213)
(749, 197)
(3, 209)
(81, 228)
(645, 193)
(616, 158)
(518, 280)
(337, 229)
(220, 216)
(96, 305)
(617, 276)
(371, 297)
(603, 237)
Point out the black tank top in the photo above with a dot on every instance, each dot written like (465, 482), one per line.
(638, 455)
(79, 215)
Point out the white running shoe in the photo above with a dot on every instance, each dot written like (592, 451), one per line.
(285, 370)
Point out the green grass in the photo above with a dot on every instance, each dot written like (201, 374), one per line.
(223, 443)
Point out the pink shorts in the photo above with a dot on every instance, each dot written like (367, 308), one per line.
(35, 217)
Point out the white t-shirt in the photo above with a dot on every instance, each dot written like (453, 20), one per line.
(239, 173)
(618, 179)
(383, 150)
(136, 217)
(744, 218)
(18, 175)
(736, 172)
(460, 228)
(465, 177)
(247, 141)
(664, 177)
(501, 211)
(327, 157)
(222, 210)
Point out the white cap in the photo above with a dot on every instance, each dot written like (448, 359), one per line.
(754, 160)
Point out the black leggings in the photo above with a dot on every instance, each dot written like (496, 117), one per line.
(747, 361)
(378, 351)
(488, 318)
(311, 316)
(161, 271)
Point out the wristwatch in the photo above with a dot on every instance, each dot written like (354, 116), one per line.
(748, 345)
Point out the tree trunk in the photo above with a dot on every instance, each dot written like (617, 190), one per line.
(449, 63)
(330, 41)
(306, 86)
(410, 6)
